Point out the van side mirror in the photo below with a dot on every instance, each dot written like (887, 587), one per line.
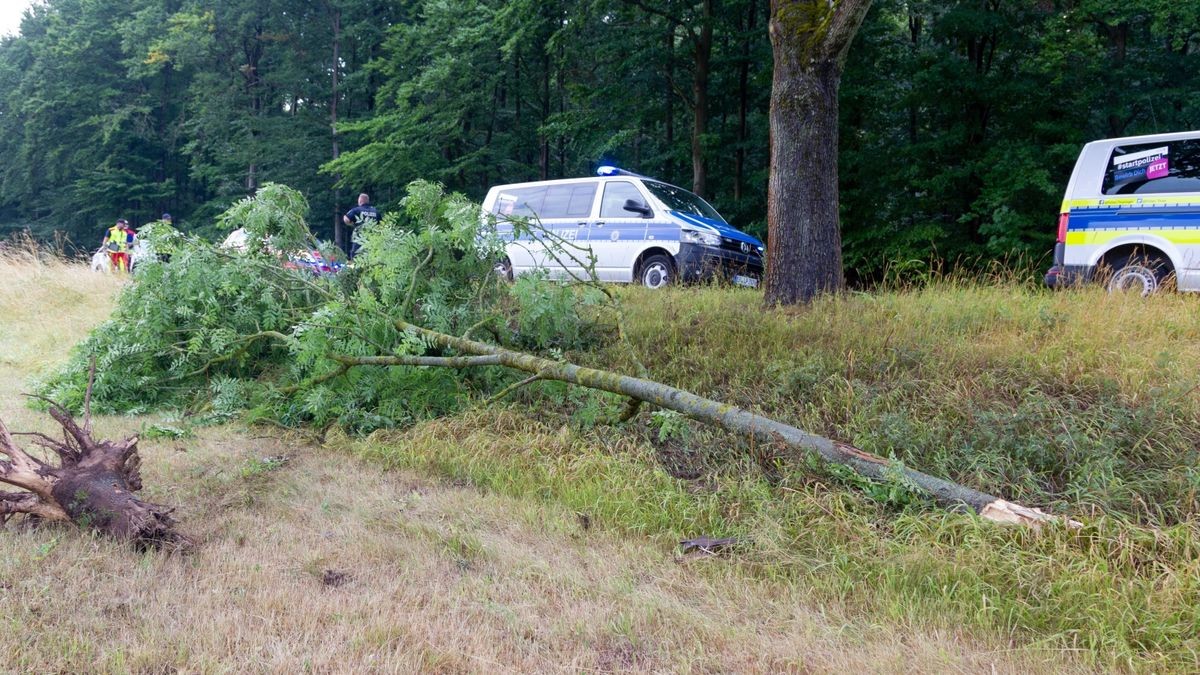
(638, 207)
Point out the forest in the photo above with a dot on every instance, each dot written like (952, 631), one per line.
(960, 120)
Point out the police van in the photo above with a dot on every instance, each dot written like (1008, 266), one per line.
(1131, 215)
(635, 228)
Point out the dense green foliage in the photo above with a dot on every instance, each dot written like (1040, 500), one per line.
(960, 120)
(215, 331)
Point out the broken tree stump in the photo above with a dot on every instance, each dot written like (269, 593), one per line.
(92, 485)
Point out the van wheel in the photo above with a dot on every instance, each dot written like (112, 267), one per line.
(657, 271)
(1139, 273)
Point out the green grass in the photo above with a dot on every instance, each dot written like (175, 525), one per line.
(1080, 402)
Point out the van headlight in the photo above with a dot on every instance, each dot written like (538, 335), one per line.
(702, 238)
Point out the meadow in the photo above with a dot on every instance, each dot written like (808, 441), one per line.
(533, 536)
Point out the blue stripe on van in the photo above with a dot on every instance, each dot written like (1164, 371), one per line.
(724, 229)
(1136, 217)
(663, 232)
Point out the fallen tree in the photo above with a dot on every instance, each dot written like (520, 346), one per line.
(92, 484)
(793, 443)
(218, 330)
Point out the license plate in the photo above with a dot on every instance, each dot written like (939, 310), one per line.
(749, 282)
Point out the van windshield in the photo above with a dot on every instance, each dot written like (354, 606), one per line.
(678, 199)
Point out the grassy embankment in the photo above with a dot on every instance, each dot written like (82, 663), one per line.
(1079, 401)
(325, 563)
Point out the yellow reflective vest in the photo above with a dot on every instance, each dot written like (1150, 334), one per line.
(115, 242)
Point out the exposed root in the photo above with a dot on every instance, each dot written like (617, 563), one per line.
(92, 484)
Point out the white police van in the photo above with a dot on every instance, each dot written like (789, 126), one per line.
(638, 229)
(1131, 215)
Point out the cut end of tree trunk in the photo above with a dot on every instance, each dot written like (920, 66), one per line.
(1009, 513)
(91, 484)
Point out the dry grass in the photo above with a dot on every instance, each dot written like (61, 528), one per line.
(47, 306)
(334, 566)
(325, 563)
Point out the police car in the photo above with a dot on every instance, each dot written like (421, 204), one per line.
(1131, 215)
(634, 228)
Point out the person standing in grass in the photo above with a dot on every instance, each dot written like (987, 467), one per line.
(362, 214)
(131, 242)
(116, 242)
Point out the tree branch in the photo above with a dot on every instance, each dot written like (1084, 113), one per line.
(87, 397)
(436, 361)
(320, 379)
(228, 356)
(511, 388)
(406, 308)
(847, 17)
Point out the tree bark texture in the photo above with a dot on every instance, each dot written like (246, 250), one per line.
(780, 440)
(809, 39)
(93, 484)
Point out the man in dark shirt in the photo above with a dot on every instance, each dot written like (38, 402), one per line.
(362, 214)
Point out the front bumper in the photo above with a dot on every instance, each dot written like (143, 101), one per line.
(702, 263)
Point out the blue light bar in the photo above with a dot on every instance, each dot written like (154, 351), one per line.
(609, 170)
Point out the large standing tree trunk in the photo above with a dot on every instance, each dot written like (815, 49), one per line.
(92, 485)
(810, 39)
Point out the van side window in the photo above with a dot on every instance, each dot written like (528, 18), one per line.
(1153, 168)
(615, 194)
(568, 201)
(520, 202)
(553, 201)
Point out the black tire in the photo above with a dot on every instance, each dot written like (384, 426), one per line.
(1141, 273)
(657, 271)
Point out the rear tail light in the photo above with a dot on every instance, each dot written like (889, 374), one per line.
(1062, 228)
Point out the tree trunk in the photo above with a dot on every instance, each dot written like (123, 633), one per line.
(669, 133)
(703, 53)
(739, 166)
(804, 248)
(804, 255)
(254, 54)
(92, 485)
(776, 440)
(339, 234)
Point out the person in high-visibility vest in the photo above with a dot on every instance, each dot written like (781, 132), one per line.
(116, 242)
